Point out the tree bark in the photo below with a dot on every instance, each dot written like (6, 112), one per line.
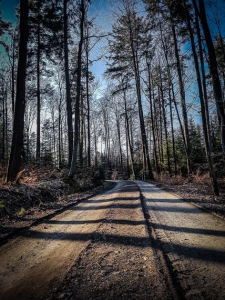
(203, 111)
(133, 41)
(128, 136)
(13, 74)
(204, 86)
(3, 123)
(81, 140)
(68, 96)
(59, 134)
(88, 105)
(183, 102)
(78, 91)
(213, 69)
(165, 123)
(172, 132)
(152, 119)
(119, 142)
(38, 141)
(157, 128)
(18, 122)
(146, 159)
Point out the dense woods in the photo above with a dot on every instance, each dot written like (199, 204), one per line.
(160, 111)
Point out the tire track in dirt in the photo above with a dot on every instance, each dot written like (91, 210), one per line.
(34, 263)
(120, 263)
(192, 241)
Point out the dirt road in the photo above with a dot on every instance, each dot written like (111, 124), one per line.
(192, 241)
(106, 248)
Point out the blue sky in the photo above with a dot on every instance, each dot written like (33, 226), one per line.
(7, 8)
(101, 9)
(98, 8)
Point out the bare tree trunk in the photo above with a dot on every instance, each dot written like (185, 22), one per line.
(6, 128)
(203, 110)
(204, 87)
(119, 141)
(152, 119)
(213, 69)
(88, 104)
(68, 96)
(38, 138)
(157, 128)
(78, 92)
(108, 141)
(59, 134)
(13, 76)
(183, 102)
(135, 62)
(127, 152)
(128, 136)
(96, 149)
(3, 123)
(161, 129)
(141, 117)
(53, 130)
(18, 124)
(172, 132)
(165, 124)
(81, 152)
(171, 89)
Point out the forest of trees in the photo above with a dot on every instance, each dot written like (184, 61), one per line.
(162, 109)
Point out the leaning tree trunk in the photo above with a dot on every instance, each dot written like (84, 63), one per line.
(18, 122)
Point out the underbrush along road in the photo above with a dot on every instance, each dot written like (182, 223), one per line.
(132, 242)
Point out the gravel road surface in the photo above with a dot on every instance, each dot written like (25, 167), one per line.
(192, 241)
(132, 242)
